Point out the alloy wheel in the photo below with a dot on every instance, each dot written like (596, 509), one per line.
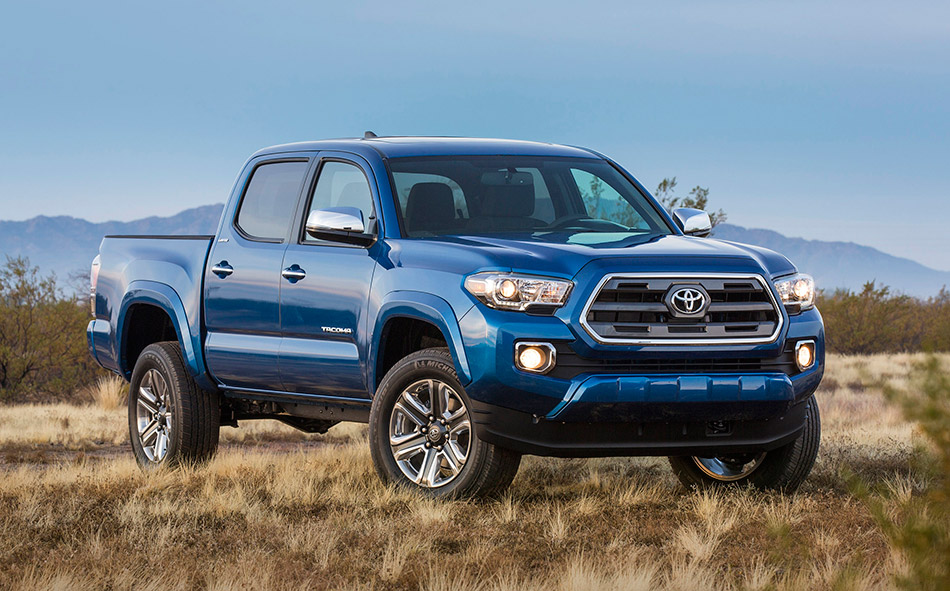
(430, 433)
(153, 415)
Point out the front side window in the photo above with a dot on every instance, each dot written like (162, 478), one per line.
(582, 200)
(341, 185)
(270, 198)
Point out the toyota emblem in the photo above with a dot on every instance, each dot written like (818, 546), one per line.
(688, 301)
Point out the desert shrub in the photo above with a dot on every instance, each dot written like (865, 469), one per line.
(876, 320)
(43, 354)
(918, 526)
(109, 392)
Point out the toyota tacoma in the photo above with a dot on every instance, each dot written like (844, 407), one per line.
(473, 300)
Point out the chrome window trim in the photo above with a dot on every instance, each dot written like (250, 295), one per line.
(780, 310)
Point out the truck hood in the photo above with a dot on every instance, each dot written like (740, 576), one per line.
(535, 254)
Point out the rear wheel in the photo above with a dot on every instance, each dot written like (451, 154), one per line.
(171, 419)
(782, 469)
(422, 437)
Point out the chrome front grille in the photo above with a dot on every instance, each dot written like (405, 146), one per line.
(638, 309)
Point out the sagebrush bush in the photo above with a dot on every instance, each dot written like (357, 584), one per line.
(876, 320)
(43, 353)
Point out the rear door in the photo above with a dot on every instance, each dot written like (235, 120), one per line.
(242, 281)
(324, 298)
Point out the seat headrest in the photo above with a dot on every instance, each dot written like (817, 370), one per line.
(508, 201)
(431, 206)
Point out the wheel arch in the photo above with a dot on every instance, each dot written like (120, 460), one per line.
(144, 305)
(421, 314)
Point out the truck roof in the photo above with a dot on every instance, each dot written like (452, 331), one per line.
(407, 146)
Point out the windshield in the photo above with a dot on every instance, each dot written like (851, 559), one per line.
(555, 199)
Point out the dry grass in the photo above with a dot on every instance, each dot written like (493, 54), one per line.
(309, 513)
(110, 392)
(65, 427)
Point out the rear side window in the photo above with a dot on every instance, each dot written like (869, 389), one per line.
(270, 199)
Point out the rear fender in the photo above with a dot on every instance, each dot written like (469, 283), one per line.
(164, 297)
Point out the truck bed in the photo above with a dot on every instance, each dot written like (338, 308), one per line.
(171, 266)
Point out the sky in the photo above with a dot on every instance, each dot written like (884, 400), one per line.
(822, 120)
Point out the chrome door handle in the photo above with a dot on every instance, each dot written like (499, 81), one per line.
(222, 269)
(293, 273)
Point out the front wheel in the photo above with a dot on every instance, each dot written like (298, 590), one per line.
(171, 419)
(422, 437)
(781, 469)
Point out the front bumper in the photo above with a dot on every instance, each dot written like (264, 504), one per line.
(696, 430)
(598, 413)
(656, 415)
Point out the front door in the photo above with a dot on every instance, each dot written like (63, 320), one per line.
(325, 293)
(242, 281)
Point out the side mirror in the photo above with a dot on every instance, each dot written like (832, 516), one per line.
(338, 224)
(693, 222)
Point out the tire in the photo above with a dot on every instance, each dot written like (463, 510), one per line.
(783, 469)
(171, 420)
(455, 463)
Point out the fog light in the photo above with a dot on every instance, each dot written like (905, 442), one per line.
(531, 358)
(805, 354)
(534, 357)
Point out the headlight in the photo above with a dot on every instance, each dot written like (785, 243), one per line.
(797, 290)
(509, 291)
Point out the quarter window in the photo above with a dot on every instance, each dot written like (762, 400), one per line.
(270, 199)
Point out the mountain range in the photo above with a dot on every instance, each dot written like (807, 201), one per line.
(844, 264)
(67, 245)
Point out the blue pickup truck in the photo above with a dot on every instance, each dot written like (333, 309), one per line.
(473, 300)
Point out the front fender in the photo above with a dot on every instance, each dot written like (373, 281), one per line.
(427, 307)
(164, 297)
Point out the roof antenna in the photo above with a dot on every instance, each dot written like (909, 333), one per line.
(369, 135)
